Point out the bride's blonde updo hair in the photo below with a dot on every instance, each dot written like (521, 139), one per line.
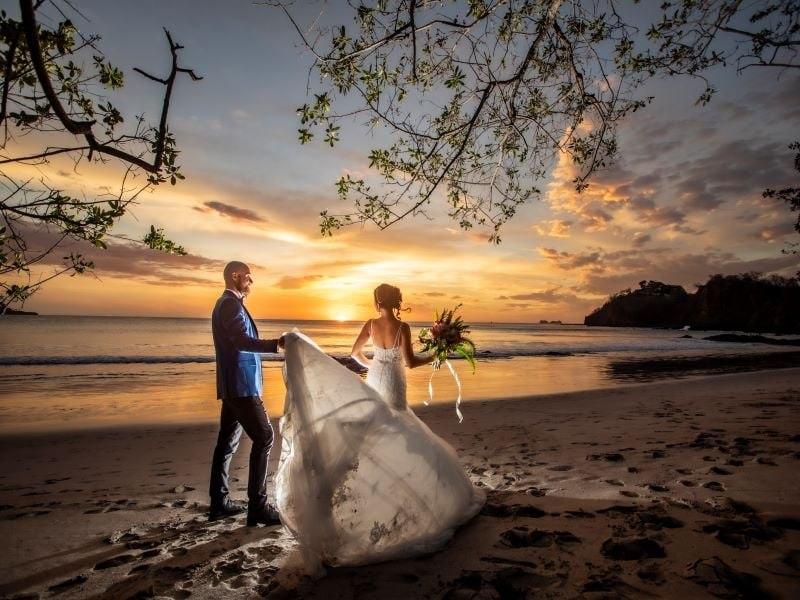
(389, 297)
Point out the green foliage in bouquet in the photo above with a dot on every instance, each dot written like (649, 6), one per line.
(448, 335)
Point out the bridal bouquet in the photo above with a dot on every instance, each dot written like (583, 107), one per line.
(448, 335)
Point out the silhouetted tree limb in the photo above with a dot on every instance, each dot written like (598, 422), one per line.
(47, 91)
(481, 97)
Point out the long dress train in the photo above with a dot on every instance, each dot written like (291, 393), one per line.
(361, 479)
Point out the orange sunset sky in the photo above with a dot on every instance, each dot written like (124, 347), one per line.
(683, 201)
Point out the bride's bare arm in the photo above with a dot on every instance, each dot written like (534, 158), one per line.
(358, 348)
(411, 359)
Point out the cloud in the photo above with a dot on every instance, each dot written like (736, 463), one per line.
(570, 260)
(551, 296)
(774, 232)
(625, 269)
(556, 228)
(233, 212)
(640, 239)
(730, 171)
(127, 259)
(241, 115)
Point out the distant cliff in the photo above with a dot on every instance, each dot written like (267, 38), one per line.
(747, 302)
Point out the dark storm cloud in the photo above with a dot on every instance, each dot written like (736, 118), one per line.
(773, 232)
(731, 171)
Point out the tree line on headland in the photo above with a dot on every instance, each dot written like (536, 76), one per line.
(748, 302)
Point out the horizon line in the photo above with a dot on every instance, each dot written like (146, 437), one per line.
(281, 319)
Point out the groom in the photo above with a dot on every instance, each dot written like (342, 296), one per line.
(239, 387)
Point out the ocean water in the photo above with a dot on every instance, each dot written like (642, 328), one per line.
(65, 372)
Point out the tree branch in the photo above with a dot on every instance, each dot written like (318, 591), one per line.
(35, 50)
(12, 50)
(45, 154)
(84, 128)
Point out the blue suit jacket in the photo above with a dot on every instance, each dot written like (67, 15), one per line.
(237, 346)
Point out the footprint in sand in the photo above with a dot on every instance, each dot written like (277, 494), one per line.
(608, 456)
(657, 487)
(62, 587)
(628, 494)
(714, 485)
(522, 537)
(633, 549)
(657, 521)
(561, 468)
(719, 471)
(616, 482)
(722, 580)
(651, 573)
(512, 582)
(116, 561)
(741, 534)
(492, 509)
(787, 565)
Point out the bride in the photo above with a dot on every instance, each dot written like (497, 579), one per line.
(361, 479)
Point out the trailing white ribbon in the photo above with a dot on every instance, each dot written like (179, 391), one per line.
(458, 383)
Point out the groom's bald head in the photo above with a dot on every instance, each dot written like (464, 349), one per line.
(237, 276)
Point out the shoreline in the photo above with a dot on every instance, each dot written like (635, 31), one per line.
(697, 469)
(419, 408)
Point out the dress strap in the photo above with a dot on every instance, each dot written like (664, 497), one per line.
(370, 330)
(397, 337)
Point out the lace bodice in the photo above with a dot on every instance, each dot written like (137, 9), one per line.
(387, 375)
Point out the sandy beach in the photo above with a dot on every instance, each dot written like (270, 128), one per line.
(677, 489)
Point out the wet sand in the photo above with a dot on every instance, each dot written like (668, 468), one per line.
(675, 489)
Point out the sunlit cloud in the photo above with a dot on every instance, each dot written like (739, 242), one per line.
(556, 228)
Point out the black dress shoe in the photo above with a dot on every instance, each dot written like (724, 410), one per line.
(228, 508)
(265, 516)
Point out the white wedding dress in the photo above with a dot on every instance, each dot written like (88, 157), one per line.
(361, 478)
